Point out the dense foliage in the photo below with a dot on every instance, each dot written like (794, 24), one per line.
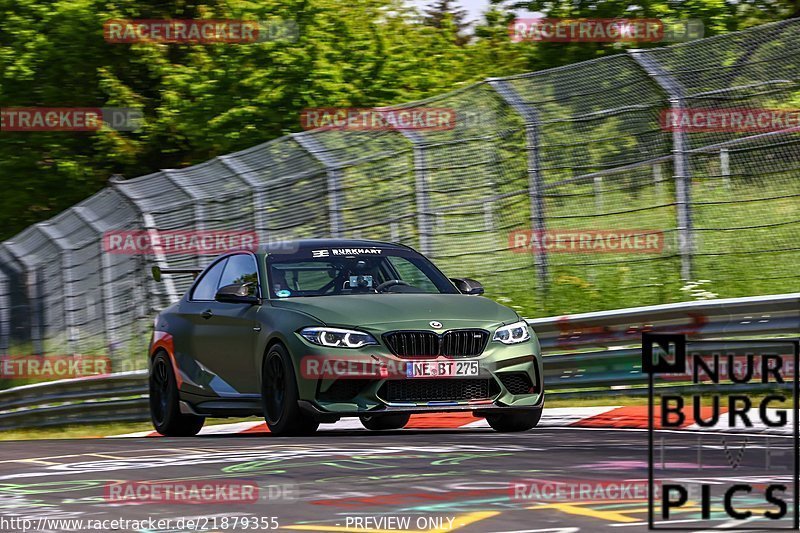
(204, 100)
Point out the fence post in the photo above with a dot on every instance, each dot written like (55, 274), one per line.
(334, 173)
(680, 155)
(160, 256)
(657, 179)
(197, 207)
(725, 167)
(34, 289)
(68, 298)
(259, 195)
(5, 313)
(535, 179)
(149, 224)
(105, 275)
(14, 271)
(598, 194)
(422, 197)
(33, 293)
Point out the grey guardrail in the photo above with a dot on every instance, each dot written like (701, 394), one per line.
(725, 318)
(592, 354)
(111, 398)
(586, 354)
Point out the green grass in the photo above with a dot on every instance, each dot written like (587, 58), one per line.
(74, 431)
(745, 233)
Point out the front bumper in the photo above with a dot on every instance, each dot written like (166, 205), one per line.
(493, 389)
(313, 410)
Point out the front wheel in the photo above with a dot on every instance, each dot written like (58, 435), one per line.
(514, 421)
(279, 396)
(383, 422)
(165, 411)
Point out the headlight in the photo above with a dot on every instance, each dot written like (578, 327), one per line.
(337, 338)
(512, 333)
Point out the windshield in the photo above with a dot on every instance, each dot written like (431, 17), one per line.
(341, 271)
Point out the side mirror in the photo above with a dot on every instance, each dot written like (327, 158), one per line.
(236, 293)
(467, 286)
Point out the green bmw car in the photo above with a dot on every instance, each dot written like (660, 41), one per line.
(309, 331)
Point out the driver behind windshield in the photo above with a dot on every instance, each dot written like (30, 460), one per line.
(354, 275)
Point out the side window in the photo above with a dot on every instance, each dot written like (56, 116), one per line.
(305, 276)
(241, 269)
(206, 289)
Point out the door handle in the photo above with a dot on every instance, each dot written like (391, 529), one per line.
(207, 314)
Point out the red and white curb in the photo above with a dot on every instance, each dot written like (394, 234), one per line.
(612, 417)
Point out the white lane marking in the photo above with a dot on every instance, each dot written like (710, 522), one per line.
(343, 423)
(241, 427)
(555, 418)
(238, 427)
(482, 423)
(565, 416)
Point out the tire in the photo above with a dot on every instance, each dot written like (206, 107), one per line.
(165, 411)
(514, 421)
(382, 422)
(279, 396)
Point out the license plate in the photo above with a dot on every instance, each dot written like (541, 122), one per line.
(438, 369)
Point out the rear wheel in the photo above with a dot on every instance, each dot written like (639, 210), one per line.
(279, 396)
(513, 421)
(165, 411)
(381, 422)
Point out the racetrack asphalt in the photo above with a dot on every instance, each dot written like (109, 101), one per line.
(350, 480)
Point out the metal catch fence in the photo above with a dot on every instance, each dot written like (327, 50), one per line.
(580, 147)
(588, 355)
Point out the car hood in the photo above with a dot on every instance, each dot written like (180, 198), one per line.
(413, 310)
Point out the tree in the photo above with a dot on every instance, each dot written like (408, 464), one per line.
(199, 101)
(444, 15)
(717, 16)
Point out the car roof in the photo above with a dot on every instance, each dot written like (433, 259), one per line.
(306, 244)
